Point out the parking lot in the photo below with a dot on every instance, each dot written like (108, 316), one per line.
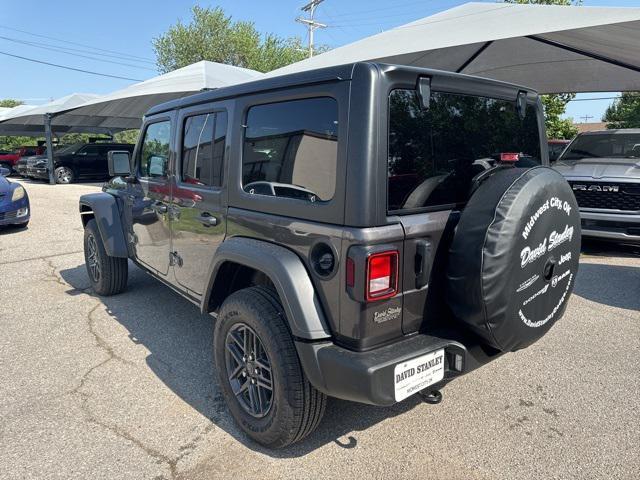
(123, 387)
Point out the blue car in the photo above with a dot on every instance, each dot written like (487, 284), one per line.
(14, 202)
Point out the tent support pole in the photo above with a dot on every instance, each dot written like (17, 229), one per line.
(48, 138)
(595, 56)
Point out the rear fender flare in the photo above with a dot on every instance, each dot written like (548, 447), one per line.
(107, 215)
(287, 273)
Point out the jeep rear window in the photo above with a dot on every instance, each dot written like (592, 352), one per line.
(435, 153)
(291, 149)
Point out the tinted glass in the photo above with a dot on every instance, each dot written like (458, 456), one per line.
(91, 150)
(203, 149)
(154, 154)
(612, 145)
(293, 146)
(434, 154)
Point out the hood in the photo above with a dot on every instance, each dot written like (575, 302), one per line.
(597, 168)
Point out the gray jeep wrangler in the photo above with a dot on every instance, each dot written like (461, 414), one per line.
(367, 232)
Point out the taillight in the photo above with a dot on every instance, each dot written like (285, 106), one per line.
(382, 275)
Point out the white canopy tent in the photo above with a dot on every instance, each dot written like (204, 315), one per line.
(120, 110)
(549, 48)
(124, 108)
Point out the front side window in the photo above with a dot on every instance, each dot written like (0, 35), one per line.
(154, 155)
(291, 149)
(203, 149)
(435, 153)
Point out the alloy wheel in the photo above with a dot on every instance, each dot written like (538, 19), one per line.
(249, 370)
(92, 258)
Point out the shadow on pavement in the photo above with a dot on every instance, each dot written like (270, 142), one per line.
(180, 341)
(613, 285)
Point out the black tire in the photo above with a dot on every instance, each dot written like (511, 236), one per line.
(64, 174)
(108, 275)
(295, 407)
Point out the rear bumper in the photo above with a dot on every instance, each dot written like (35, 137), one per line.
(611, 226)
(368, 377)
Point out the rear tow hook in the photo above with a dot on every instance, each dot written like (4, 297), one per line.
(432, 397)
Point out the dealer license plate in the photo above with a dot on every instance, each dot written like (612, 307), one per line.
(418, 373)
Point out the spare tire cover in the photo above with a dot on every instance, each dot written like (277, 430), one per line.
(514, 256)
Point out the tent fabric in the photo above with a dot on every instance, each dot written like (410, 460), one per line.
(549, 48)
(125, 108)
(33, 115)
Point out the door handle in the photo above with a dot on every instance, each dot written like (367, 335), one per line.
(207, 220)
(423, 263)
(160, 208)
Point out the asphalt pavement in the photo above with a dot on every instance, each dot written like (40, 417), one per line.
(123, 387)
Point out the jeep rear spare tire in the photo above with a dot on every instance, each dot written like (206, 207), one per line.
(514, 257)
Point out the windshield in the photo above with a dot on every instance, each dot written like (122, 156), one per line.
(434, 154)
(64, 150)
(604, 145)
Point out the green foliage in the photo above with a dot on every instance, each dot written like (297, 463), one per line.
(127, 136)
(214, 36)
(624, 112)
(10, 102)
(554, 107)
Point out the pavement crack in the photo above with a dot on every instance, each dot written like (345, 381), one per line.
(43, 257)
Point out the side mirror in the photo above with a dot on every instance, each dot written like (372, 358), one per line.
(5, 172)
(157, 166)
(119, 163)
(424, 92)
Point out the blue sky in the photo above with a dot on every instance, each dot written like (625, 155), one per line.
(126, 29)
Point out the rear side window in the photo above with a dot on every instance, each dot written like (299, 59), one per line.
(291, 149)
(154, 154)
(203, 149)
(434, 154)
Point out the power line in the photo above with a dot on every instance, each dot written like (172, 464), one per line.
(69, 68)
(78, 44)
(63, 50)
(91, 52)
(365, 12)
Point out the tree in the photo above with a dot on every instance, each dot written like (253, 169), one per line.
(10, 103)
(555, 105)
(624, 112)
(214, 36)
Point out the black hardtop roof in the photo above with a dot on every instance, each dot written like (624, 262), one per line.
(335, 73)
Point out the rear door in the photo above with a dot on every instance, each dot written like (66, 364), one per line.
(433, 156)
(86, 159)
(198, 209)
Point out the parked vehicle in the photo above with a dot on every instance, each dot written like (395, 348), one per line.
(14, 202)
(603, 169)
(79, 161)
(9, 160)
(556, 147)
(357, 231)
(21, 167)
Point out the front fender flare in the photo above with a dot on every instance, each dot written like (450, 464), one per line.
(289, 276)
(107, 215)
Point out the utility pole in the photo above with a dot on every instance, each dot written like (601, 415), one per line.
(310, 22)
(586, 118)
